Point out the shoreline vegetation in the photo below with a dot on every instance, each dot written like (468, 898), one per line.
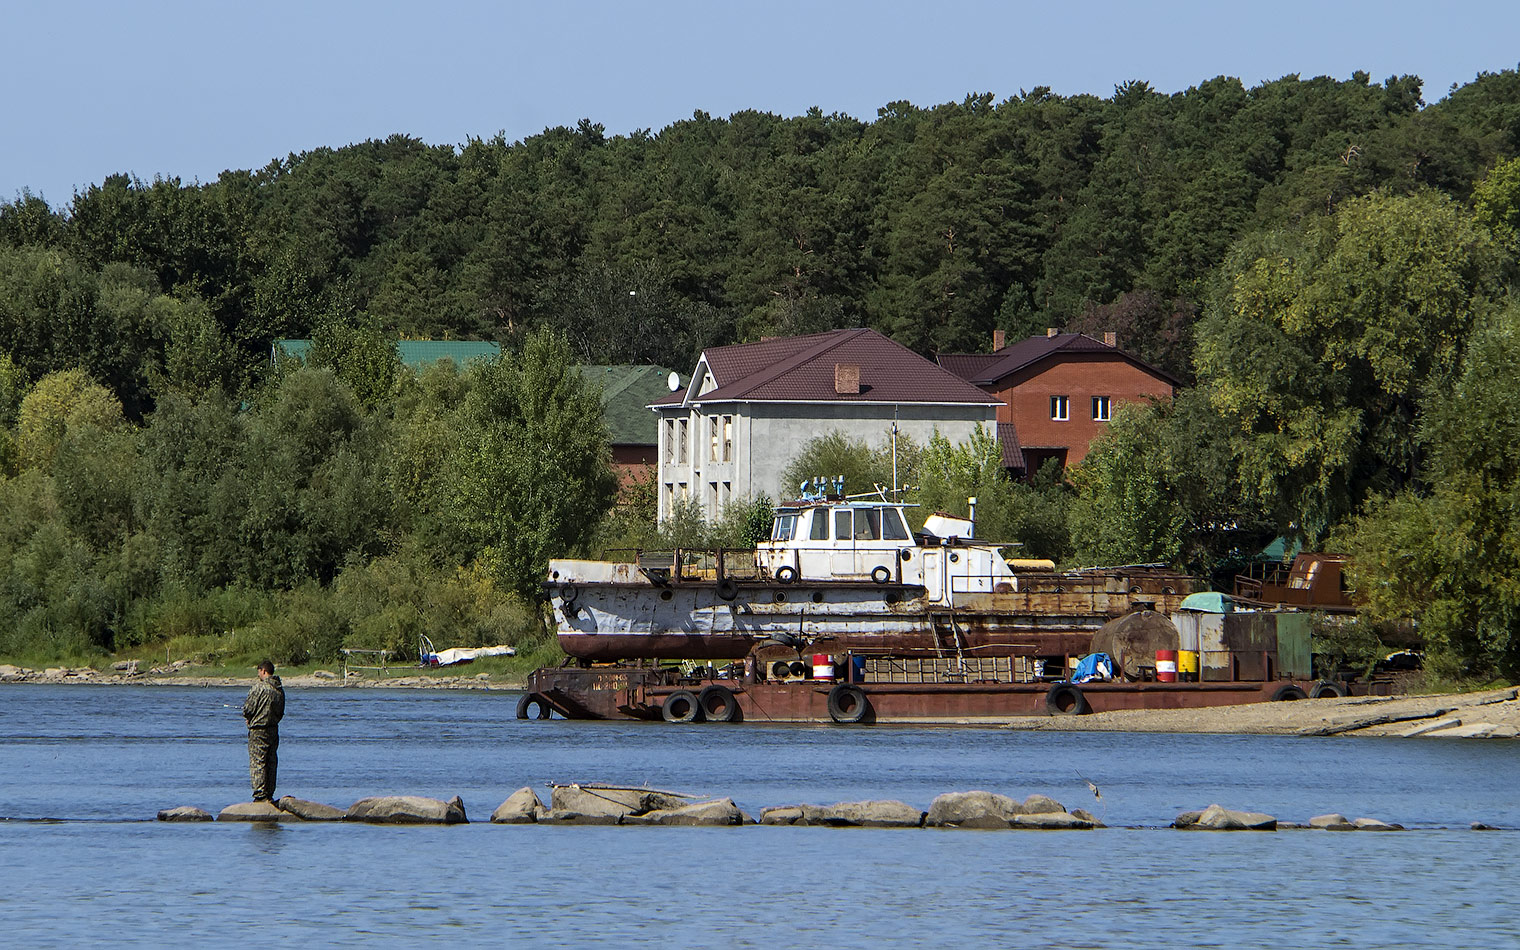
(1481, 714)
(1327, 267)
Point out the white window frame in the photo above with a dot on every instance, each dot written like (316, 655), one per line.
(1060, 408)
(1102, 408)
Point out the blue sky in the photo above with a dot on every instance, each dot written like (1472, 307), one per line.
(188, 88)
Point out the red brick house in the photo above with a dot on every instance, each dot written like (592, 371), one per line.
(1057, 391)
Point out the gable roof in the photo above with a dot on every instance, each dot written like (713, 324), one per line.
(801, 369)
(984, 369)
(626, 393)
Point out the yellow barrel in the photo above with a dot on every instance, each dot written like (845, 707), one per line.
(1187, 664)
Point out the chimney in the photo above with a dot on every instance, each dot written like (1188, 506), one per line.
(1052, 331)
(1110, 338)
(997, 340)
(847, 379)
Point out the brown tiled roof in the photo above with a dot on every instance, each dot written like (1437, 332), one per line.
(801, 369)
(1008, 440)
(984, 369)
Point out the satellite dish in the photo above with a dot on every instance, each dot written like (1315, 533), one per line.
(673, 381)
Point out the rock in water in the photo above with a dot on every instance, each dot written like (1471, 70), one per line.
(521, 807)
(591, 804)
(407, 810)
(976, 809)
(256, 811)
(1219, 818)
(719, 813)
(309, 811)
(1373, 824)
(185, 813)
(1332, 822)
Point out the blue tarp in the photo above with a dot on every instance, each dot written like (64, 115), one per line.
(1093, 666)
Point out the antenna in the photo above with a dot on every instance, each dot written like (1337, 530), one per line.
(894, 451)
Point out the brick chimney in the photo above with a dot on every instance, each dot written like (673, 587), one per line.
(997, 340)
(847, 379)
(1110, 338)
(1052, 331)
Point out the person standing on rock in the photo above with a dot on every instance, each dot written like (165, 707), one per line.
(263, 710)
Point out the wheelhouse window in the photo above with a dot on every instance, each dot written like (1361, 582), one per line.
(784, 527)
(892, 527)
(1060, 408)
(1102, 408)
(820, 526)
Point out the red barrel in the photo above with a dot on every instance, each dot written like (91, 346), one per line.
(823, 666)
(1166, 666)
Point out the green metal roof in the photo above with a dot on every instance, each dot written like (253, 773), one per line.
(627, 392)
(413, 353)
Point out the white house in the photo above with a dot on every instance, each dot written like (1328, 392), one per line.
(750, 408)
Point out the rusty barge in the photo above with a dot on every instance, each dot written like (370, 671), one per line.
(844, 616)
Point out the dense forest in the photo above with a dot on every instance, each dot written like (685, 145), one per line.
(1328, 264)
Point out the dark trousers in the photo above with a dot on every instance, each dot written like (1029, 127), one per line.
(262, 761)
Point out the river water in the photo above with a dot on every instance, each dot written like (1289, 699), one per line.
(83, 770)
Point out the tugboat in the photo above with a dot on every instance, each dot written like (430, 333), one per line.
(844, 575)
(845, 615)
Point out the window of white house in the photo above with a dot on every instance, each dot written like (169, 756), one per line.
(670, 497)
(712, 496)
(1101, 408)
(712, 438)
(1060, 408)
(670, 440)
(681, 438)
(728, 438)
(682, 492)
(726, 494)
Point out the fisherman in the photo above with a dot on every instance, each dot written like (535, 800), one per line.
(263, 709)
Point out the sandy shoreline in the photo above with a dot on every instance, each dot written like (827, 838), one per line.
(1486, 714)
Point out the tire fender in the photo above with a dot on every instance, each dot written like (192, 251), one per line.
(848, 704)
(1066, 699)
(718, 703)
(681, 706)
(533, 706)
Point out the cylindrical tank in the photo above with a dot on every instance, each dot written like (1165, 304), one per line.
(1187, 666)
(1166, 666)
(823, 666)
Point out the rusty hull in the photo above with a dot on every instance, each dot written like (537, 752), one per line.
(639, 693)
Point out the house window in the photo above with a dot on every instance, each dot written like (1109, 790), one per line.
(670, 440)
(728, 438)
(682, 492)
(670, 498)
(712, 439)
(1060, 408)
(682, 431)
(712, 497)
(727, 494)
(1101, 408)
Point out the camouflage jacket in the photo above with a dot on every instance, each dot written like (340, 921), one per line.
(265, 705)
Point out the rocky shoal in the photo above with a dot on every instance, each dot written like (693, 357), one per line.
(592, 804)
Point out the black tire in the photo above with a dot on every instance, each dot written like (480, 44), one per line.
(848, 704)
(1288, 692)
(681, 706)
(786, 574)
(1066, 699)
(533, 706)
(718, 704)
(880, 574)
(568, 593)
(1327, 690)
